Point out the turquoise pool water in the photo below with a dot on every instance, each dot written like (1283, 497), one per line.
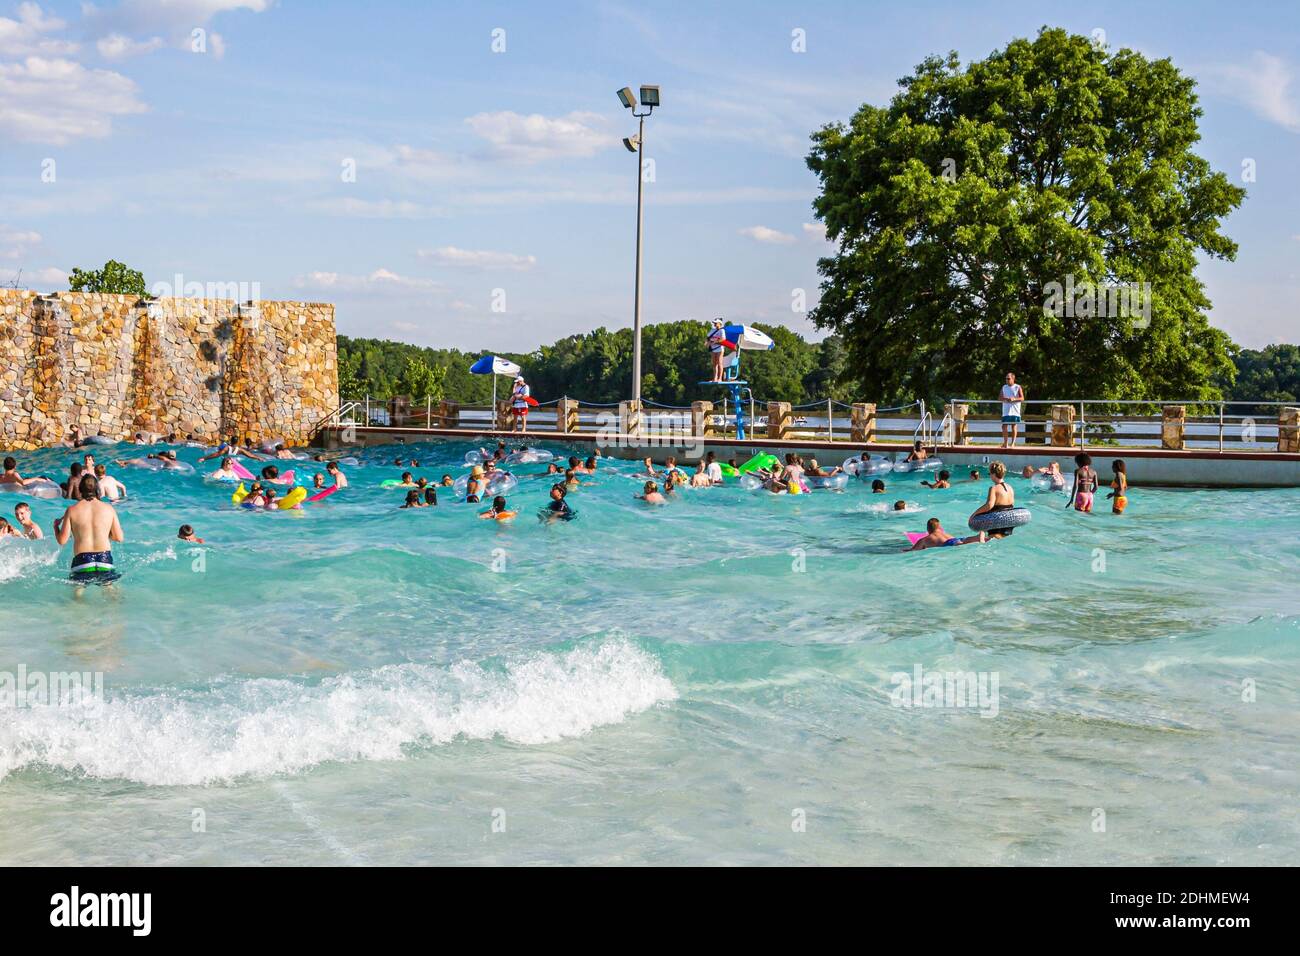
(708, 682)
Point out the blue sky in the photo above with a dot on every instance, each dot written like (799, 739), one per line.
(490, 179)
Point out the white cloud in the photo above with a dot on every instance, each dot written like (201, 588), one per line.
(116, 46)
(815, 230)
(533, 138)
(1265, 85)
(374, 208)
(14, 244)
(57, 101)
(47, 278)
(764, 234)
(478, 259)
(381, 280)
(27, 35)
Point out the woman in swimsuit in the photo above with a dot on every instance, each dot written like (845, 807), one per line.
(1002, 497)
(1119, 486)
(1085, 483)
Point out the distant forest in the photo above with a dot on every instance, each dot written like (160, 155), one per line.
(597, 367)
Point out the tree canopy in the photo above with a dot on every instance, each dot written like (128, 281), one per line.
(597, 367)
(962, 207)
(113, 277)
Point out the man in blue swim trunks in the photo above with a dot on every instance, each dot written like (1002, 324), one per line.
(936, 537)
(93, 526)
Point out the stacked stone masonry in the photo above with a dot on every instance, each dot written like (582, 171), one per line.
(118, 364)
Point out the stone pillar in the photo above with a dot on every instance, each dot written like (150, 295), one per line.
(629, 418)
(1062, 435)
(778, 420)
(502, 421)
(399, 410)
(566, 416)
(958, 415)
(1288, 430)
(448, 414)
(701, 419)
(1173, 426)
(862, 423)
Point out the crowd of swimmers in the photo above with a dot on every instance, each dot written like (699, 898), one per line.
(92, 522)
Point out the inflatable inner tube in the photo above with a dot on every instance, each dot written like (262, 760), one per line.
(1007, 518)
(833, 482)
(869, 468)
(97, 440)
(1042, 482)
(534, 456)
(761, 460)
(499, 483)
(41, 488)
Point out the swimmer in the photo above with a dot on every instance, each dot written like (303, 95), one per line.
(817, 471)
(186, 533)
(447, 481)
(255, 497)
(650, 494)
(26, 527)
(407, 481)
(974, 475)
(1001, 497)
(670, 467)
(553, 469)
(877, 487)
(589, 466)
(558, 509)
(397, 463)
(10, 475)
(1119, 487)
(226, 472)
(499, 510)
(230, 448)
(413, 500)
(283, 453)
(1028, 471)
(1085, 483)
(936, 537)
(917, 453)
(93, 526)
(701, 477)
(72, 487)
(576, 466)
(268, 498)
(943, 482)
(272, 474)
(422, 483)
(168, 459)
(318, 482)
(900, 505)
(340, 479)
(670, 485)
(474, 485)
(712, 469)
(430, 497)
(571, 482)
(1053, 471)
(109, 487)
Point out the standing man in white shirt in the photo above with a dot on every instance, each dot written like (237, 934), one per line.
(519, 404)
(1012, 396)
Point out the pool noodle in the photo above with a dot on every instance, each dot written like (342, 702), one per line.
(324, 494)
(241, 471)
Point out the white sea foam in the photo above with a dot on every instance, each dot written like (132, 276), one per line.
(18, 558)
(258, 728)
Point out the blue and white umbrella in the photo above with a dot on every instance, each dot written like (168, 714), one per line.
(748, 337)
(494, 365)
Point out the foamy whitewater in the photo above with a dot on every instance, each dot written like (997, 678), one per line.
(728, 679)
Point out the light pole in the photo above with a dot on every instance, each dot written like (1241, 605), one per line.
(636, 144)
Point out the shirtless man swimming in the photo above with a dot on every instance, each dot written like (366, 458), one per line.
(93, 526)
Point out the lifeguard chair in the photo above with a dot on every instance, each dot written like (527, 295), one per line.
(740, 337)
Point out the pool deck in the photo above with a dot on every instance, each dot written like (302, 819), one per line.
(1193, 467)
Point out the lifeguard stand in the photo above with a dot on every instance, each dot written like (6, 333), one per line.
(733, 383)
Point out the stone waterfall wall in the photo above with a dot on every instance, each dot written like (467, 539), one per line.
(117, 364)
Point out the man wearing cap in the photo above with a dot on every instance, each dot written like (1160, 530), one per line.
(519, 405)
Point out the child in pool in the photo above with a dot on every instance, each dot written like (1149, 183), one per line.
(1119, 486)
(650, 494)
(186, 533)
(877, 487)
(413, 500)
(936, 537)
(571, 481)
(430, 497)
(817, 471)
(407, 480)
(558, 509)
(900, 505)
(26, 527)
(499, 510)
(447, 481)
(918, 453)
(7, 530)
(1085, 483)
(943, 481)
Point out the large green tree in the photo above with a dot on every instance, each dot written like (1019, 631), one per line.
(113, 277)
(957, 206)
